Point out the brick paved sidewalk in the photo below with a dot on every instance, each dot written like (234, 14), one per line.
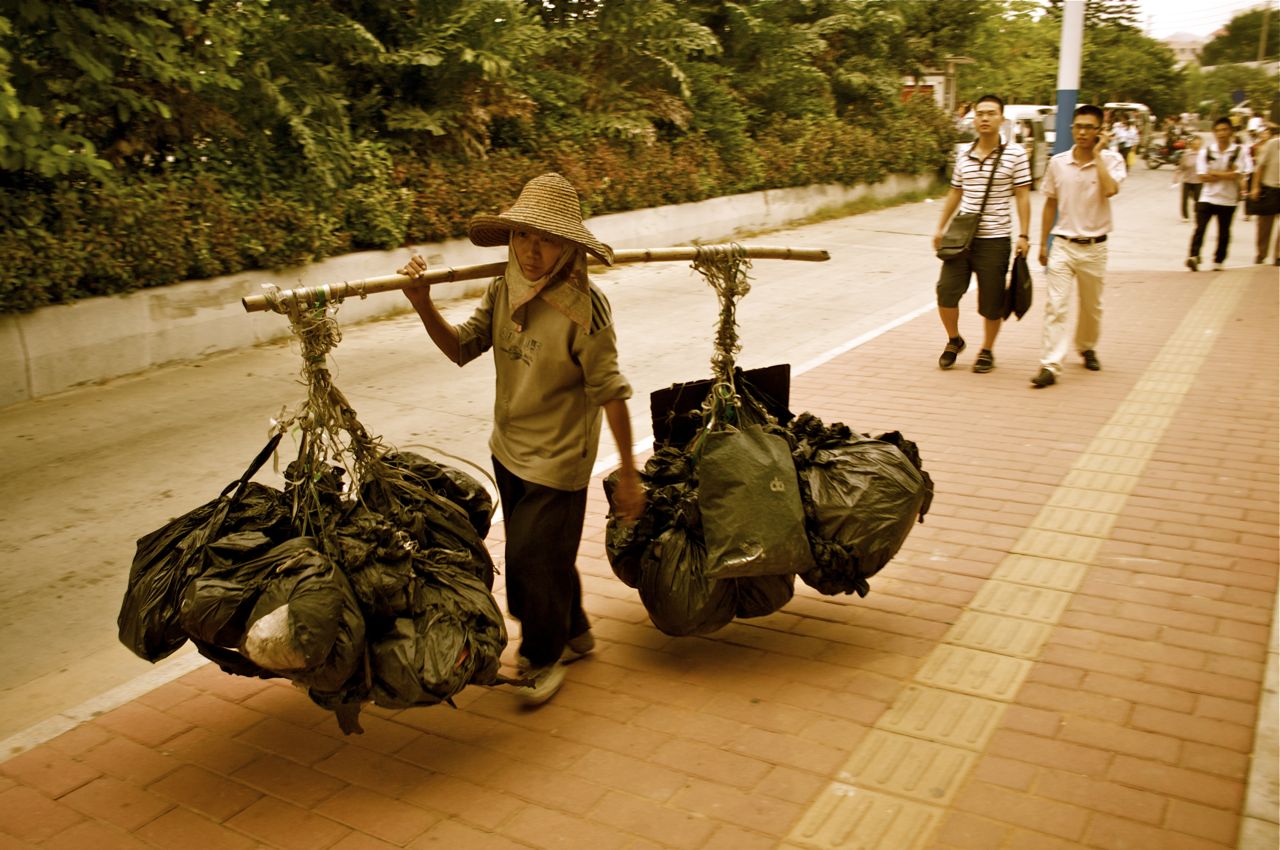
(1069, 653)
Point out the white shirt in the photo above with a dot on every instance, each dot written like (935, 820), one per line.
(1223, 193)
(1082, 208)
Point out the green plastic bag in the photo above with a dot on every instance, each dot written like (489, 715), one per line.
(752, 517)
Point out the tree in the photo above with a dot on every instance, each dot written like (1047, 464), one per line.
(1239, 40)
(85, 87)
(1016, 56)
(935, 29)
(1103, 14)
(1122, 64)
(1221, 81)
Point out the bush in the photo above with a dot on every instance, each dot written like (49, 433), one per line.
(68, 240)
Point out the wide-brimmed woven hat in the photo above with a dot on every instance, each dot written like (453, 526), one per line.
(547, 203)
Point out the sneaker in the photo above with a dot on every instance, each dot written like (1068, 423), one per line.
(986, 361)
(1193, 263)
(1044, 378)
(578, 647)
(1217, 267)
(541, 684)
(948, 358)
(1091, 361)
(1259, 259)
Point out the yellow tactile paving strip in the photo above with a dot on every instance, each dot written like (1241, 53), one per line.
(891, 793)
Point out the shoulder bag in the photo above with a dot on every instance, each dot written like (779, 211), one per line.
(958, 237)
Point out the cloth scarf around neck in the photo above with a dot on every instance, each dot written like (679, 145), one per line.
(565, 288)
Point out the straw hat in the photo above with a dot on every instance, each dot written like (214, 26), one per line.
(547, 203)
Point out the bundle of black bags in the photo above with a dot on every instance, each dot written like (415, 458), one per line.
(858, 498)
(377, 592)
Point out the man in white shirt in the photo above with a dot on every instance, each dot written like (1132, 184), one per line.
(1077, 188)
(1222, 165)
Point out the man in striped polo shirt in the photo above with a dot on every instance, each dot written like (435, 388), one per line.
(988, 256)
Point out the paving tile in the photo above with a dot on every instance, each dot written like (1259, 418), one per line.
(449, 835)
(910, 767)
(712, 763)
(108, 799)
(982, 674)
(947, 717)
(629, 774)
(546, 829)
(373, 771)
(666, 825)
(876, 821)
(213, 751)
(1053, 574)
(1002, 635)
(300, 744)
(181, 827)
(1058, 545)
(28, 815)
(1061, 820)
(99, 836)
(375, 814)
(48, 771)
(280, 824)
(731, 805)
(208, 793)
(128, 760)
(142, 723)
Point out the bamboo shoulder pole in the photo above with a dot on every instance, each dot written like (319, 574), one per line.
(308, 296)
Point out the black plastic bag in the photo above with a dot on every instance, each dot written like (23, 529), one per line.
(306, 623)
(1017, 295)
(862, 498)
(172, 555)
(453, 484)
(763, 595)
(752, 516)
(455, 638)
(676, 591)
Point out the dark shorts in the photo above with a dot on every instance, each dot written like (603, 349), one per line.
(989, 259)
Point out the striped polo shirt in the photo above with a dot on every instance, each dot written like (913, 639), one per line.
(971, 175)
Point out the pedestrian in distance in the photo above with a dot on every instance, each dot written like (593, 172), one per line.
(556, 364)
(1223, 165)
(1077, 189)
(1185, 173)
(1264, 192)
(1005, 170)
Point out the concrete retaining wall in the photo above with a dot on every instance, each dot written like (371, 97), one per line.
(58, 347)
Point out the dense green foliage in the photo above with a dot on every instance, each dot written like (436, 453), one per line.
(144, 142)
(1240, 39)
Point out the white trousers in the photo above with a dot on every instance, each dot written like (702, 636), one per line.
(1078, 267)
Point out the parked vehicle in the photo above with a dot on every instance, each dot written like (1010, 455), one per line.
(1140, 115)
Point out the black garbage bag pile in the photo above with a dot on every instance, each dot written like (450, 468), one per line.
(379, 592)
(664, 555)
(861, 497)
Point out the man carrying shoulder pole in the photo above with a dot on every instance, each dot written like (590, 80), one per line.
(985, 177)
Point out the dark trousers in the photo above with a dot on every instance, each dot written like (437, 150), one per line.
(1190, 192)
(1204, 212)
(543, 528)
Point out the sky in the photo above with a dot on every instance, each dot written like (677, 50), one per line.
(1163, 18)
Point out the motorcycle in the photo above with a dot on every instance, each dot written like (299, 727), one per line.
(1164, 154)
